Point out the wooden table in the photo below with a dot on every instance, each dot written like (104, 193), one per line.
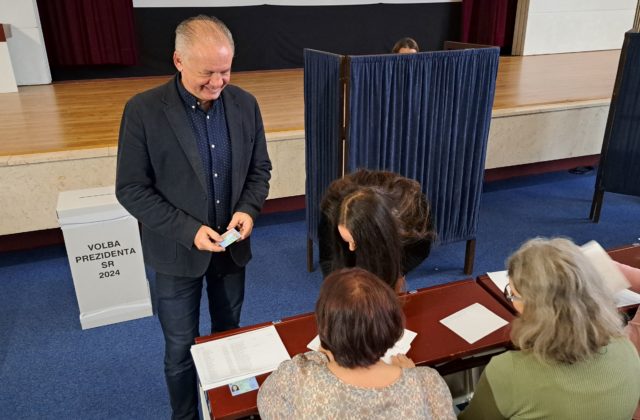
(627, 254)
(435, 345)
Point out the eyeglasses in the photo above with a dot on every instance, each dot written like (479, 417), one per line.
(508, 294)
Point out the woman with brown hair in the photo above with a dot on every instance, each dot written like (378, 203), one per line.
(369, 230)
(405, 46)
(395, 230)
(573, 360)
(359, 318)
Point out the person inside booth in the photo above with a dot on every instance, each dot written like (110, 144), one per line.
(405, 46)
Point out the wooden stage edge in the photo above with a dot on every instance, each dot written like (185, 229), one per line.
(50, 237)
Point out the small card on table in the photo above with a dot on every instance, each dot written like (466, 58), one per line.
(244, 385)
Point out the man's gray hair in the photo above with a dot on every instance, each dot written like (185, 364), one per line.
(189, 30)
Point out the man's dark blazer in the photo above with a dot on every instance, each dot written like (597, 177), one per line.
(160, 177)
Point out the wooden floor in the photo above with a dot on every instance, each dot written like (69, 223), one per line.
(86, 114)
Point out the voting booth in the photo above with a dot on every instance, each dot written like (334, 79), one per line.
(105, 256)
(425, 116)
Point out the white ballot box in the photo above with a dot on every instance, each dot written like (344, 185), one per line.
(105, 255)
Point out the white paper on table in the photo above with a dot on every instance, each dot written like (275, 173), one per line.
(499, 278)
(626, 297)
(314, 344)
(402, 346)
(604, 265)
(473, 322)
(229, 359)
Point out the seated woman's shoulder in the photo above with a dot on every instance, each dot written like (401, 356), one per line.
(300, 366)
(624, 348)
(309, 361)
(312, 357)
(429, 376)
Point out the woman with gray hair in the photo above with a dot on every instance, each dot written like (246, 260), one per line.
(572, 359)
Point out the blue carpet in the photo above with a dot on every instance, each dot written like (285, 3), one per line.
(50, 368)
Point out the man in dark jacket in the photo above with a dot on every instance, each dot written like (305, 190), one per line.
(192, 164)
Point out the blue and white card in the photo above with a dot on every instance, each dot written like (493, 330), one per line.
(229, 237)
(242, 386)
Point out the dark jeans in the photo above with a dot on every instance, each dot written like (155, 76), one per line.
(179, 312)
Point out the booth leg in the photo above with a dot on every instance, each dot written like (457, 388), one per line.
(596, 205)
(469, 256)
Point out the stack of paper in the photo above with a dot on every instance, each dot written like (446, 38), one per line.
(402, 346)
(499, 278)
(626, 298)
(610, 274)
(604, 265)
(220, 362)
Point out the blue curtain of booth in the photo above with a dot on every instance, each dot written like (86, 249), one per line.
(322, 129)
(621, 163)
(427, 116)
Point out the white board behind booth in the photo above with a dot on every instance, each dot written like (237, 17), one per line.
(25, 42)
(565, 26)
(105, 256)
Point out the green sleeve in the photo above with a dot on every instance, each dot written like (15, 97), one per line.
(483, 405)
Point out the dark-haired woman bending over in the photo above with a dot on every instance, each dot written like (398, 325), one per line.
(389, 225)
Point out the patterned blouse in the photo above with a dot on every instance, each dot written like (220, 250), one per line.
(305, 388)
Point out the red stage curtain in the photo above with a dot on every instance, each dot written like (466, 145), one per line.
(489, 22)
(88, 32)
